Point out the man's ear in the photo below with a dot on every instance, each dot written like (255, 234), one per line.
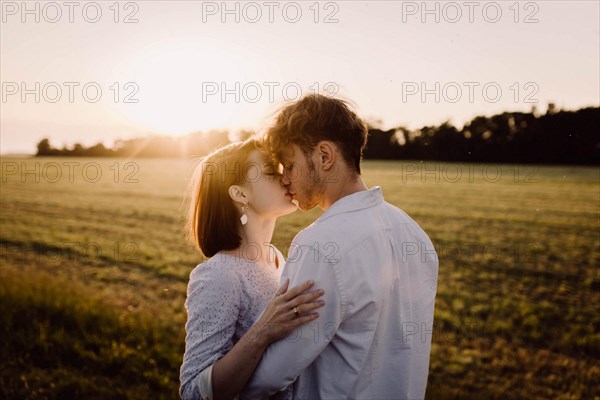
(237, 194)
(327, 153)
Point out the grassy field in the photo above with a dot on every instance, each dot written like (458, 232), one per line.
(94, 270)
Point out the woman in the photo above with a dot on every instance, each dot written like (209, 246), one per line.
(235, 201)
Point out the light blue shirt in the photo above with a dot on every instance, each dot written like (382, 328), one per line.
(373, 337)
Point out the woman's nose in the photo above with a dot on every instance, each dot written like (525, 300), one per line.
(285, 180)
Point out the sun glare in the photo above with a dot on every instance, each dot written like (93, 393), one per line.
(172, 96)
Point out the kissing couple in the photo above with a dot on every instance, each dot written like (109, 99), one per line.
(349, 315)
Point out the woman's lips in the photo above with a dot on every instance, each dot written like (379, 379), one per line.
(292, 196)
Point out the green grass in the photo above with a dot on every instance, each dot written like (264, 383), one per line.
(60, 341)
(93, 277)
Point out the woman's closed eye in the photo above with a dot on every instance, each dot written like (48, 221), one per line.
(274, 174)
(274, 170)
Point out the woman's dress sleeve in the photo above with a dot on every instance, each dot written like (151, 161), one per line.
(213, 305)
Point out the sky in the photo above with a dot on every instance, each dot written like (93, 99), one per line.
(100, 71)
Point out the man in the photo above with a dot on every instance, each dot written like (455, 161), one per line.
(378, 269)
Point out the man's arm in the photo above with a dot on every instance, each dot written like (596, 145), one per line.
(284, 360)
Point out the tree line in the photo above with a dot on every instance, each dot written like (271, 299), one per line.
(556, 137)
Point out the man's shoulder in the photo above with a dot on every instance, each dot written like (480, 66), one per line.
(311, 232)
(335, 228)
(349, 226)
(401, 220)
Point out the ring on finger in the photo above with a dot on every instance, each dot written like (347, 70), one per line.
(296, 311)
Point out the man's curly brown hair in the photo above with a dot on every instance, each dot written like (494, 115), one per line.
(314, 118)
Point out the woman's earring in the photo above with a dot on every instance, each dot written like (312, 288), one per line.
(244, 217)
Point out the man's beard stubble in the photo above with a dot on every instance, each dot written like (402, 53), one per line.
(314, 187)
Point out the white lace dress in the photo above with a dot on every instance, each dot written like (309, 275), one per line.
(225, 296)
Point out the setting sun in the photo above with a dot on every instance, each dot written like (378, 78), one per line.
(172, 82)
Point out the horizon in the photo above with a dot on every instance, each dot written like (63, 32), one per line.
(112, 144)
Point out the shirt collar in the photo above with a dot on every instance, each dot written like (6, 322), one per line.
(353, 202)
